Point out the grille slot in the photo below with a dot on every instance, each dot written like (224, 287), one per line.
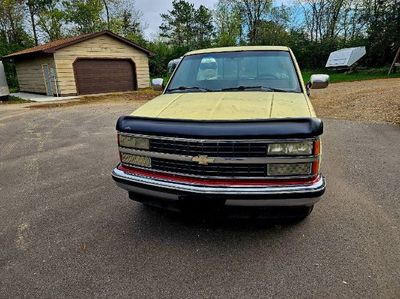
(222, 149)
(217, 170)
(212, 149)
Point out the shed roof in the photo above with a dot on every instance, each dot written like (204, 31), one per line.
(53, 46)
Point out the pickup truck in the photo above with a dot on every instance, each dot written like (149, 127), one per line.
(234, 127)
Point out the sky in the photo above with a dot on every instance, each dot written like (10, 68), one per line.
(153, 8)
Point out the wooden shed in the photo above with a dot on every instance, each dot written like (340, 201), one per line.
(92, 63)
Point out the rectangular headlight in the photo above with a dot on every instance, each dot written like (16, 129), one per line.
(289, 169)
(133, 142)
(290, 149)
(135, 160)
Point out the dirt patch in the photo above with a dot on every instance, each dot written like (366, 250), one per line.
(370, 100)
(122, 97)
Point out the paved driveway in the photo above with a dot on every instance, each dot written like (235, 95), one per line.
(67, 230)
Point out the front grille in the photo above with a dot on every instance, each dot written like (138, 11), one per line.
(190, 157)
(211, 149)
(210, 170)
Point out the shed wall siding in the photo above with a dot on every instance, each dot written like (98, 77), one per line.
(30, 74)
(98, 47)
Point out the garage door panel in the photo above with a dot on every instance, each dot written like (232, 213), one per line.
(104, 75)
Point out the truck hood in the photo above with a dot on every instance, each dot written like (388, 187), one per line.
(227, 106)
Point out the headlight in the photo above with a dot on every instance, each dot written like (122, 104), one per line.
(135, 160)
(290, 149)
(133, 142)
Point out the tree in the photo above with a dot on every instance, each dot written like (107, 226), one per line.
(105, 3)
(164, 53)
(33, 7)
(129, 25)
(178, 24)
(383, 27)
(228, 21)
(51, 19)
(322, 26)
(327, 20)
(272, 33)
(13, 36)
(126, 20)
(85, 15)
(254, 12)
(12, 33)
(185, 26)
(274, 29)
(203, 26)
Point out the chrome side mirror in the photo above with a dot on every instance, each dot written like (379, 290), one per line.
(157, 84)
(319, 81)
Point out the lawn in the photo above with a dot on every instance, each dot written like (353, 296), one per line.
(355, 76)
(13, 100)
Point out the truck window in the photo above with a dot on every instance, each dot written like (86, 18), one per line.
(225, 70)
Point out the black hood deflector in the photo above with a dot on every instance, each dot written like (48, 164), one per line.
(239, 129)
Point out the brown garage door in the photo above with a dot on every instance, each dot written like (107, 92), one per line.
(104, 75)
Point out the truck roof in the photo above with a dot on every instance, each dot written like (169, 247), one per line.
(238, 49)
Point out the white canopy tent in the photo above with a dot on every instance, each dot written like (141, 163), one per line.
(345, 58)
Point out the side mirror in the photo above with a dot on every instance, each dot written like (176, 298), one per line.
(318, 81)
(158, 84)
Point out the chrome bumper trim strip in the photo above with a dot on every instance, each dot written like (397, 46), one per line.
(318, 186)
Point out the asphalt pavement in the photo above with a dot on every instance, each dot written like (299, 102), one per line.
(66, 230)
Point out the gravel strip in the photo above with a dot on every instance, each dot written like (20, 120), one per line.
(368, 100)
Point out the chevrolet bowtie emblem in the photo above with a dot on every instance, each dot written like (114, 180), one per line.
(202, 160)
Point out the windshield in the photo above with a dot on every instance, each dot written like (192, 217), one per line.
(230, 71)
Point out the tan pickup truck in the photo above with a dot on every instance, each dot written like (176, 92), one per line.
(234, 127)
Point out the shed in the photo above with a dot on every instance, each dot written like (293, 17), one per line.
(97, 62)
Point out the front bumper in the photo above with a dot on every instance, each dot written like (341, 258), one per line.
(155, 190)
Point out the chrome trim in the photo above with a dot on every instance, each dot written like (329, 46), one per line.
(221, 177)
(217, 190)
(287, 202)
(222, 160)
(218, 140)
(155, 154)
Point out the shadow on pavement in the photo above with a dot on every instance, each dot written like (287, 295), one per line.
(227, 219)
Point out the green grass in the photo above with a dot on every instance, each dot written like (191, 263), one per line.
(166, 79)
(13, 100)
(355, 76)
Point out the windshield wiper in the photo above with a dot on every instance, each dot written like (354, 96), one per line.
(183, 88)
(257, 88)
